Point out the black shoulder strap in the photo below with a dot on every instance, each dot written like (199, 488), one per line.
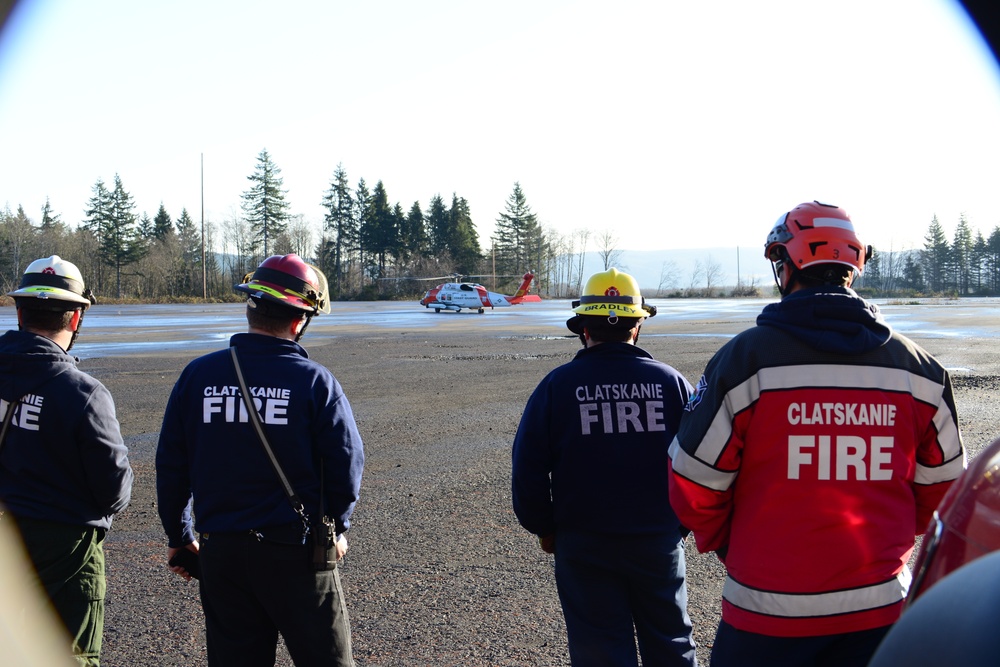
(293, 498)
(7, 419)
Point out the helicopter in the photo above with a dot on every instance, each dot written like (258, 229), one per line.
(473, 296)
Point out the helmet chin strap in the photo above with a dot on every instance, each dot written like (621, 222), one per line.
(775, 269)
(76, 332)
(298, 336)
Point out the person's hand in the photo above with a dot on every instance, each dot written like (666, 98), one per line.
(176, 569)
(341, 545)
(547, 543)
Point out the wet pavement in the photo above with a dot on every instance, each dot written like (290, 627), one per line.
(163, 329)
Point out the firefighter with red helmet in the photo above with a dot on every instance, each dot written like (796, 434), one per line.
(589, 478)
(64, 469)
(220, 497)
(816, 446)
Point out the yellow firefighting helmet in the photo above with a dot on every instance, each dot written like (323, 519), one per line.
(51, 280)
(611, 294)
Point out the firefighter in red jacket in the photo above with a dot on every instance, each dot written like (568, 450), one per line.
(815, 447)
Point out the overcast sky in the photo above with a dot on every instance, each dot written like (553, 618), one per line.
(674, 124)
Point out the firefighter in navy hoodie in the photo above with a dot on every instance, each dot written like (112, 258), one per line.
(64, 470)
(257, 579)
(590, 480)
(815, 448)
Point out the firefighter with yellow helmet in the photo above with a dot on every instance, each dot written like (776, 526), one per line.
(589, 478)
(64, 469)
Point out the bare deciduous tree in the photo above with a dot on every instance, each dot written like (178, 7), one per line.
(300, 236)
(670, 274)
(713, 275)
(607, 248)
(584, 236)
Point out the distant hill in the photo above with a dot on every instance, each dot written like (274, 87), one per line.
(646, 266)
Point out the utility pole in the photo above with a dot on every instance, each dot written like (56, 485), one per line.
(204, 270)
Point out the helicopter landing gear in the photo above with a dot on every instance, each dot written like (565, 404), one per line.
(482, 310)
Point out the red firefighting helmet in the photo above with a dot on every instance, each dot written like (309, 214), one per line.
(816, 233)
(289, 281)
(953, 624)
(965, 525)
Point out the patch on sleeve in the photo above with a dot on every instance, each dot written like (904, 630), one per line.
(697, 395)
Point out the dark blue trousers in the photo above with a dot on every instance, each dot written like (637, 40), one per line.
(737, 648)
(617, 590)
(251, 590)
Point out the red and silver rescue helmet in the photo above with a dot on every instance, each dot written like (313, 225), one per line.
(53, 280)
(816, 233)
(289, 281)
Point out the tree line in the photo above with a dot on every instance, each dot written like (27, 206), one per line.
(968, 265)
(371, 248)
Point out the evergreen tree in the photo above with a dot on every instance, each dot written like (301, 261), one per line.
(518, 240)
(961, 256)
(934, 257)
(980, 252)
(121, 242)
(464, 242)
(362, 214)
(401, 251)
(98, 209)
(145, 227)
(98, 213)
(264, 203)
(379, 232)
(162, 224)
(993, 261)
(189, 240)
(50, 220)
(913, 277)
(340, 232)
(438, 225)
(414, 238)
(53, 233)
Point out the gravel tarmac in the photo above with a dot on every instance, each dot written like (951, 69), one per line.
(439, 573)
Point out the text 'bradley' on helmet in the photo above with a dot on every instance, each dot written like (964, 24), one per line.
(611, 294)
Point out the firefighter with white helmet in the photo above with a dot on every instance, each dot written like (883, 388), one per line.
(64, 469)
(589, 478)
(55, 285)
(816, 446)
(220, 497)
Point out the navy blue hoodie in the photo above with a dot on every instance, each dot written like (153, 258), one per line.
(64, 459)
(829, 319)
(590, 454)
(209, 450)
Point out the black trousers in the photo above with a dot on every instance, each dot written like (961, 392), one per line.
(252, 589)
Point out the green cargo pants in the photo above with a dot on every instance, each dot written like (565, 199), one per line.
(69, 561)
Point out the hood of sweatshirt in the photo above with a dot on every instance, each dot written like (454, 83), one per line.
(830, 319)
(27, 361)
